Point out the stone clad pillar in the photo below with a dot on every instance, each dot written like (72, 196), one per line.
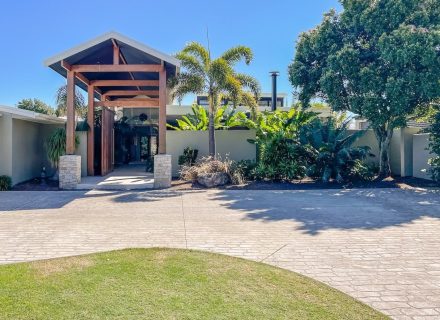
(70, 171)
(162, 171)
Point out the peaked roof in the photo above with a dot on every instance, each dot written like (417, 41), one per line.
(109, 36)
(100, 51)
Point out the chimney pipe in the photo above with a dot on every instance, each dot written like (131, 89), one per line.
(274, 75)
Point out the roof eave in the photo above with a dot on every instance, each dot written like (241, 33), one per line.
(111, 35)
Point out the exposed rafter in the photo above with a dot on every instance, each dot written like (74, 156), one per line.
(125, 83)
(78, 75)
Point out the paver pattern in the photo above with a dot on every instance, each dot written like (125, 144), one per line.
(381, 246)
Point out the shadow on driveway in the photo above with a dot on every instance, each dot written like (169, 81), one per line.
(319, 210)
(36, 200)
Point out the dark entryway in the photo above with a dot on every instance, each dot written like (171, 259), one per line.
(136, 137)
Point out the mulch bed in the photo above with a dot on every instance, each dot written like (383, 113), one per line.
(36, 185)
(309, 184)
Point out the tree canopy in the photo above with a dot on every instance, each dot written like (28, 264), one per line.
(35, 105)
(379, 59)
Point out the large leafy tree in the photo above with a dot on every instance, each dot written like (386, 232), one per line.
(216, 77)
(35, 105)
(379, 59)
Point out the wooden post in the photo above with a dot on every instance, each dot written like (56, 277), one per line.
(70, 126)
(162, 112)
(91, 133)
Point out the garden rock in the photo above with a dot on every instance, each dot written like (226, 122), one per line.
(210, 180)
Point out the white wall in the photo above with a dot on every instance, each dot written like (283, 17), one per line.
(420, 156)
(5, 145)
(81, 150)
(230, 143)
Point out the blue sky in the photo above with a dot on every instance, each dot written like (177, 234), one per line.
(31, 31)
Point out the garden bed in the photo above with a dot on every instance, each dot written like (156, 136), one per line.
(36, 185)
(309, 184)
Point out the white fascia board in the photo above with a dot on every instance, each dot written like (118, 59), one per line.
(107, 36)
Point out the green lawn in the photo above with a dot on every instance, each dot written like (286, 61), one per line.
(167, 284)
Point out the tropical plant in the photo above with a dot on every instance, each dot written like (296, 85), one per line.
(56, 147)
(35, 105)
(188, 158)
(333, 154)
(280, 155)
(270, 123)
(61, 101)
(5, 183)
(378, 59)
(216, 77)
(281, 158)
(225, 118)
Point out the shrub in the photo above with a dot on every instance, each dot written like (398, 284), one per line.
(208, 165)
(188, 158)
(5, 183)
(282, 159)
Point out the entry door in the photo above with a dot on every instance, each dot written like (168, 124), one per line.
(107, 144)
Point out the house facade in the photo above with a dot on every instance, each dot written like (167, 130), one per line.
(23, 135)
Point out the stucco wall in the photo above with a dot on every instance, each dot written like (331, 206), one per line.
(420, 156)
(28, 149)
(5, 145)
(406, 150)
(81, 150)
(401, 150)
(230, 143)
(22, 148)
(368, 139)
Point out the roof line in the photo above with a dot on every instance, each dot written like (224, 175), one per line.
(30, 115)
(111, 35)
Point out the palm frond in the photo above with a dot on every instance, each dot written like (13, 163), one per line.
(238, 53)
(219, 71)
(191, 64)
(199, 51)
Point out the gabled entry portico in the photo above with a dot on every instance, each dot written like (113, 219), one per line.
(116, 72)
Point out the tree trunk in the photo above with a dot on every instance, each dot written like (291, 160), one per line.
(384, 135)
(211, 126)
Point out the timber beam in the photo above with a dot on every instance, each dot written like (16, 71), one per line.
(129, 103)
(131, 93)
(117, 68)
(125, 83)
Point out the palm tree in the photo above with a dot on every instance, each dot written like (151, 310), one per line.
(61, 101)
(217, 78)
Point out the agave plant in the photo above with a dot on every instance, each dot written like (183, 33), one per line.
(334, 155)
(225, 118)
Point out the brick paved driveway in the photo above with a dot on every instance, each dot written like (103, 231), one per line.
(381, 246)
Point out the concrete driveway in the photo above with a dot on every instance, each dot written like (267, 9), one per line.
(381, 246)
